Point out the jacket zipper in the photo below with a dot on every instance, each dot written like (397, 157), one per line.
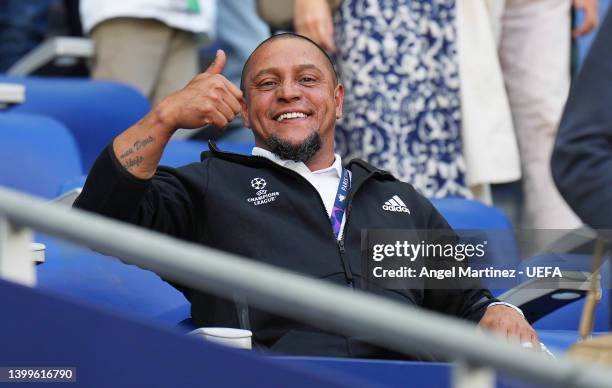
(341, 248)
(348, 273)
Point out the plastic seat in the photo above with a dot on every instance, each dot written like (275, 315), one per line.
(107, 283)
(466, 214)
(182, 152)
(94, 111)
(37, 154)
(487, 223)
(568, 317)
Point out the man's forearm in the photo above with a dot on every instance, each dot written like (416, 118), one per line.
(140, 147)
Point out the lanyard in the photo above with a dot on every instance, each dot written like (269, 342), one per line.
(340, 204)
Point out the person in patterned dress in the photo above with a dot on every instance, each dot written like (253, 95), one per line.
(398, 62)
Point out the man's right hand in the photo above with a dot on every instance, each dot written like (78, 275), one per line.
(209, 98)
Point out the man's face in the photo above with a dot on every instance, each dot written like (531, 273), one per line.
(291, 93)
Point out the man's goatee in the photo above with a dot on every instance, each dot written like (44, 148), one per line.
(297, 152)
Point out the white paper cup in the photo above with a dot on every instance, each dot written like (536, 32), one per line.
(37, 252)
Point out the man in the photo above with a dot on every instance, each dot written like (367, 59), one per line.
(275, 206)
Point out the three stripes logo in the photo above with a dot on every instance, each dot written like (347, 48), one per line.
(395, 204)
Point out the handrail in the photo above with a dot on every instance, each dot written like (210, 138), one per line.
(383, 322)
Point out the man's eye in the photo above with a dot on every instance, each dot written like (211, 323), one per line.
(307, 79)
(267, 83)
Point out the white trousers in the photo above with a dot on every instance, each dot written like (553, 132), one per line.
(534, 52)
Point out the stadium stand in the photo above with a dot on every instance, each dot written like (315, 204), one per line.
(94, 111)
(111, 312)
(105, 282)
(111, 342)
(37, 154)
(182, 152)
(111, 351)
(555, 314)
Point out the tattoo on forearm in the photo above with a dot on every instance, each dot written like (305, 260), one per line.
(131, 163)
(138, 145)
(127, 153)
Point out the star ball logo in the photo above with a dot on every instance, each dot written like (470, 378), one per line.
(262, 195)
(258, 183)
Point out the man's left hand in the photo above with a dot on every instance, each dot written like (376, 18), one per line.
(507, 323)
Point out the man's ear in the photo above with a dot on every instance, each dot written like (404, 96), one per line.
(245, 112)
(339, 98)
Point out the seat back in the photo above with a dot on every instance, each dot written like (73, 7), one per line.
(94, 111)
(491, 223)
(107, 283)
(182, 152)
(466, 214)
(568, 317)
(37, 154)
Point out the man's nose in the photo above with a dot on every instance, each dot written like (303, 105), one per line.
(289, 91)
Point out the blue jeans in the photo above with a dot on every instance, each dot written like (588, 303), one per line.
(23, 25)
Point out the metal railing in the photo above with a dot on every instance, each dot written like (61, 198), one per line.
(384, 322)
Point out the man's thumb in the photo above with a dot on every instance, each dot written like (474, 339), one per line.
(216, 67)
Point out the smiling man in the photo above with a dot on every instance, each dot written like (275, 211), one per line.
(293, 120)
(292, 204)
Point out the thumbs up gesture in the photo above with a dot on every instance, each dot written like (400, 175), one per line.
(209, 98)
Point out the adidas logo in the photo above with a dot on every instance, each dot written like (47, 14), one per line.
(395, 204)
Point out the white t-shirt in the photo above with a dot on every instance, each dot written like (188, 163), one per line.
(326, 181)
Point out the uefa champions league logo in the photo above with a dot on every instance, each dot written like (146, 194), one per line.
(258, 183)
(262, 195)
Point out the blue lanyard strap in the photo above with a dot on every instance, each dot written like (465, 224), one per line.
(337, 213)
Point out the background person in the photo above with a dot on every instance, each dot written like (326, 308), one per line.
(534, 53)
(582, 159)
(23, 26)
(149, 44)
(409, 109)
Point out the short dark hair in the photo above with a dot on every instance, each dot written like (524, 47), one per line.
(287, 35)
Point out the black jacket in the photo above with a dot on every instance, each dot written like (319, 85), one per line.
(212, 203)
(582, 158)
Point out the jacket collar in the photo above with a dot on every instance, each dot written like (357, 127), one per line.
(360, 169)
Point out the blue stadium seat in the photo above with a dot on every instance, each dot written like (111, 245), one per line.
(94, 111)
(568, 317)
(109, 284)
(183, 152)
(491, 224)
(467, 214)
(37, 154)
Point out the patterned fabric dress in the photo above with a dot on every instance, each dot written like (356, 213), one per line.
(398, 62)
